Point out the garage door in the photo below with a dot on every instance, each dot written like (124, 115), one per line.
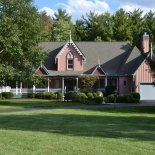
(147, 91)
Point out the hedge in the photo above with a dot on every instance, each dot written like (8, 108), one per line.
(7, 95)
(98, 99)
(31, 95)
(72, 95)
(128, 98)
(90, 96)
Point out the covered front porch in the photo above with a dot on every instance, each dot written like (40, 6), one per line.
(56, 84)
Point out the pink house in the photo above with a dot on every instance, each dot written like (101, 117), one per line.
(115, 63)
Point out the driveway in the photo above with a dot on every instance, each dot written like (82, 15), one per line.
(108, 105)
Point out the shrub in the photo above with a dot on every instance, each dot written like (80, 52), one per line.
(31, 95)
(110, 89)
(57, 95)
(83, 101)
(128, 98)
(83, 96)
(7, 95)
(90, 96)
(111, 98)
(120, 98)
(95, 94)
(53, 95)
(105, 99)
(40, 95)
(98, 99)
(48, 95)
(72, 95)
(135, 95)
(135, 100)
(99, 93)
(0, 95)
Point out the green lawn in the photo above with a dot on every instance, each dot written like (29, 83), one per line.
(107, 131)
(31, 103)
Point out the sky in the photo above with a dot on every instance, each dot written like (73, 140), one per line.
(77, 8)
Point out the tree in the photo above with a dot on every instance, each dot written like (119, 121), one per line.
(20, 33)
(122, 26)
(107, 27)
(81, 31)
(61, 26)
(46, 23)
(98, 39)
(88, 82)
(137, 27)
(149, 25)
(93, 26)
(61, 30)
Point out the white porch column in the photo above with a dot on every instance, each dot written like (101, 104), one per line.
(21, 88)
(34, 88)
(16, 87)
(48, 87)
(105, 81)
(77, 83)
(63, 85)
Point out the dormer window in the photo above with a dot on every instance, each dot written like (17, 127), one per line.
(70, 61)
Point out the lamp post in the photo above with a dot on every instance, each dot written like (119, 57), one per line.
(115, 94)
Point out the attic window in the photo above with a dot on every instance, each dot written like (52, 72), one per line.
(70, 61)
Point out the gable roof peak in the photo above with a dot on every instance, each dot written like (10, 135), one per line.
(98, 67)
(70, 42)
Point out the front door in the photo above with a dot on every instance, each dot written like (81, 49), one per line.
(70, 84)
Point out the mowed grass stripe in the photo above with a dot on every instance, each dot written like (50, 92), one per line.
(32, 103)
(123, 131)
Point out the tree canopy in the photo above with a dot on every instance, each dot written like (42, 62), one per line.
(46, 22)
(20, 33)
(61, 26)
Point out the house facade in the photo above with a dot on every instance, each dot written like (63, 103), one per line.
(115, 63)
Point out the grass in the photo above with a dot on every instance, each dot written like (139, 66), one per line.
(32, 103)
(106, 131)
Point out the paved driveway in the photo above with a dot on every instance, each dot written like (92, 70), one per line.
(109, 105)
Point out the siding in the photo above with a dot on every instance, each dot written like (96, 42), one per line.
(125, 89)
(143, 75)
(62, 60)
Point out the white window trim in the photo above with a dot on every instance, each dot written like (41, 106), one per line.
(72, 58)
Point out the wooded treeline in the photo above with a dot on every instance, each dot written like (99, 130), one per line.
(121, 26)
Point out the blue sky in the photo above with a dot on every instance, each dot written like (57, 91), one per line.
(76, 8)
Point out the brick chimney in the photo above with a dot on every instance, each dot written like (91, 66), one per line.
(145, 42)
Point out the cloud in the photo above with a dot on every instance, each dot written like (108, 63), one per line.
(77, 8)
(48, 10)
(131, 5)
(81, 7)
(141, 3)
(131, 8)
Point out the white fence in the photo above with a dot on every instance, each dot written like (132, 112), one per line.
(27, 90)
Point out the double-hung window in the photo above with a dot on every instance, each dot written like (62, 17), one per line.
(70, 61)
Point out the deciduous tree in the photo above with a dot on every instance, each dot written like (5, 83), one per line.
(46, 23)
(20, 33)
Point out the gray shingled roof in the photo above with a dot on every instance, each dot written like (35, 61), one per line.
(115, 57)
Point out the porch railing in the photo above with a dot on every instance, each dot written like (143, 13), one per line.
(28, 90)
